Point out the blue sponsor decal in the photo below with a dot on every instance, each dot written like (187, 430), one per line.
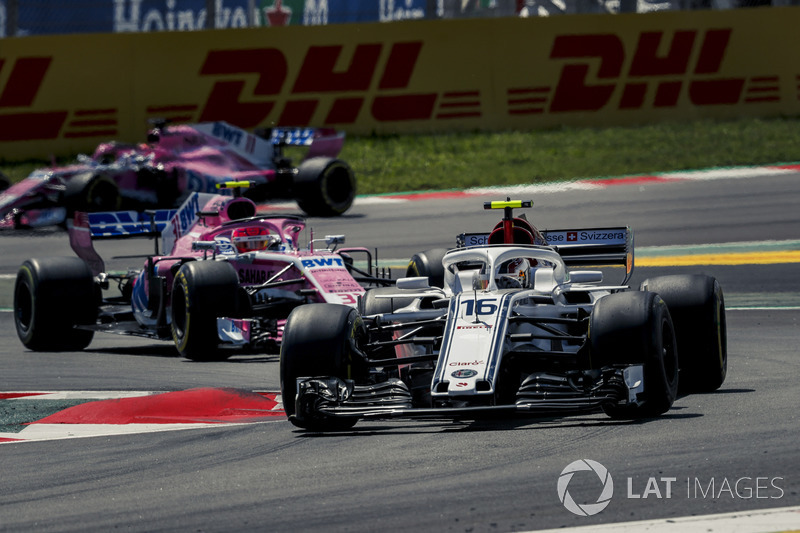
(322, 262)
(224, 245)
(127, 222)
(464, 373)
(187, 215)
(293, 136)
(227, 133)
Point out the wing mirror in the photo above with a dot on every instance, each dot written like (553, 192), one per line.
(418, 283)
(477, 284)
(331, 240)
(585, 276)
(203, 245)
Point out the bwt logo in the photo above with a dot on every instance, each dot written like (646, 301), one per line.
(322, 262)
(187, 216)
(128, 222)
(232, 135)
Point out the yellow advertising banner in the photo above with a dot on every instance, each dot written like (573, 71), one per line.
(65, 94)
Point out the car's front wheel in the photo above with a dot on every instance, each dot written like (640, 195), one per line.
(201, 292)
(319, 341)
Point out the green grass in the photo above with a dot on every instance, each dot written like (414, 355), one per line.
(387, 164)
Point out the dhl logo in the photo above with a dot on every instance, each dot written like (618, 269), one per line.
(317, 76)
(343, 85)
(18, 95)
(692, 63)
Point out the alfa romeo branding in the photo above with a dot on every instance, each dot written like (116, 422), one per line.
(464, 373)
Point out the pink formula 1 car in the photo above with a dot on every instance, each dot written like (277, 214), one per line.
(178, 160)
(226, 283)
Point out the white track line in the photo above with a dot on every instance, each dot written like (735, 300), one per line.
(784, 519)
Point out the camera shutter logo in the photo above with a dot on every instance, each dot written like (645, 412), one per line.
(586, 509)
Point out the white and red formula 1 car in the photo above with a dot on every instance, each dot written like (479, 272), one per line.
(513, 328)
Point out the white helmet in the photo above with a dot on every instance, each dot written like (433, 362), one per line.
(514, 274)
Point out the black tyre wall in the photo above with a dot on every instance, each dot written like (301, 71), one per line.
(202, 291)
(51, 296)
(324, 187)
(636, 328)
(697, 307)
(428, 263)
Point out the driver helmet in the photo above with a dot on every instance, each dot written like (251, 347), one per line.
(514, 274)
(250, 238)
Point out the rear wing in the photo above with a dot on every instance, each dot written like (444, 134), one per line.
(325, 142)
(579, 247)
(167, 224)
(122, 224)
(260, 148)
(84, 228)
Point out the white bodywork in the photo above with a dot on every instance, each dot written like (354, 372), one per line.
(479, 332)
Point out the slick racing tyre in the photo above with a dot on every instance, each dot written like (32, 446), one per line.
(201, 292)
(324, 187)
(697, 308)
(636, 328)
(91, 193)
(429, 264)
(5, 182)
(318, 341)
(51, 297)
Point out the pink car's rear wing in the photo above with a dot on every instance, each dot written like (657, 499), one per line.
(85, 227)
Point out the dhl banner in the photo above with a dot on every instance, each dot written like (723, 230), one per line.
(64, 94)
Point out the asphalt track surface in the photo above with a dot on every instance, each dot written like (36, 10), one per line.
(732, 450)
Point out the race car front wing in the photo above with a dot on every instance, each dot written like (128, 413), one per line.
(320, 398)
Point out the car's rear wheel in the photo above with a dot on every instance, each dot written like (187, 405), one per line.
(51, 297)
(636, 328)
(201, 292)
(428, 264)
(324, 187)
(697, 307)
(318, 341)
